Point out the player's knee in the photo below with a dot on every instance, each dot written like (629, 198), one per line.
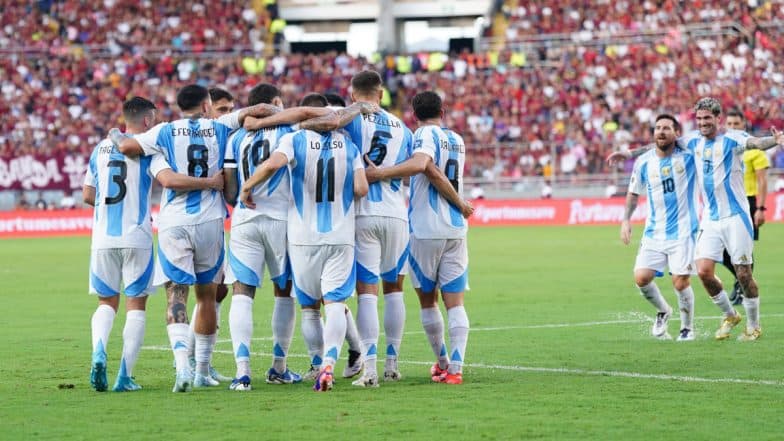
(743, 272)
(680, 283)
(241, 289)
(643, 278)
(705, 272)
(221, 292)
(136, 303)
(282, 292)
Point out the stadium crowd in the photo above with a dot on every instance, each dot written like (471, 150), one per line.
(580, 102)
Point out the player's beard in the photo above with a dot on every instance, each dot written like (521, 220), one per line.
(665, 148)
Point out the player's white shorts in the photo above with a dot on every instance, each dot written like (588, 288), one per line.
(734, 233)
(191, 254)
(253, 244)
(110, 267)
(678, 255)
(382, 248)
(439, 262)
(327, 271)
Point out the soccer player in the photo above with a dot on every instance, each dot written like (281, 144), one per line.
(121, 252)
(667, 176)
(755, 181)
(258, 239)
(190, 239)
(326, 176)
(726, 223)
(381, 228)
(439, 255)
(222, 102)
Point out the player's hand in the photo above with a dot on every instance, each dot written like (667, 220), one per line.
(216, 181)
(626, 232)
(466, 209)
(616, 157)
(250, 123)
(246, 198)
(759, 218)
(372, 172)
(367, 108)
(778, 136)
(116, 136)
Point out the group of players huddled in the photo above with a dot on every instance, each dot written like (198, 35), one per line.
(319, 199)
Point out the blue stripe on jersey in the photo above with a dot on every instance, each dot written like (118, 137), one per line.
(735, 207)
(274, 181)
(324, 208)
(166, 140)
(652, 219)
(454, 214)
(222, 133)
(691, 169)
(437, 145)
(670, 199)
(352, 151)
(402, 155)
(707, 180)
(193, 200)
(114, 212)
(298, 172)
(145, 181)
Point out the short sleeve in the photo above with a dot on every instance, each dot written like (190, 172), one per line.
(155, 140)
(740, 137)
(286, 146)
(158, 164)
(229, 157)
(354, 130)
(89, 176)
(231, 120)
(424, 142)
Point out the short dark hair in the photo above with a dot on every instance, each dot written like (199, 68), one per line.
(710, 104)
(427, 105)
(366, 82)
(217, 94)
(314, 100)
(191, 97)
(263, 93)
(137, 108)
(675, 124)
(334, 99)
(737, 113)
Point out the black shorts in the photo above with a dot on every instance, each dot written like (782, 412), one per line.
(752, 211)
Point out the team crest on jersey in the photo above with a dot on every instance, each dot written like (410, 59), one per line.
(744, 259)
(665, 171)
(708, 153)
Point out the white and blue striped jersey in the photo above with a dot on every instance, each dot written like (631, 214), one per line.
(670, 184)
(246, 151)
(122, 185)
(321, 168)
(193, 147)
(720, 173)
(387, 142)
(432, 216)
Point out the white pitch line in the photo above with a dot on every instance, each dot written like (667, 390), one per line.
(546, 370)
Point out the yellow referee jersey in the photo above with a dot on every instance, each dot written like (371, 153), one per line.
(753, 161)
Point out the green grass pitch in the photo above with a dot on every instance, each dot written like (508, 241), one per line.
(559, 349)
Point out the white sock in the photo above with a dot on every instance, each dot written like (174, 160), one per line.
(752, 312)
(394, 321)
(334, 331)
(458, 337)
(723, 302)
(241, 329)
(203, 352)
(283, 318)
(433, 323)
(367, 323)
(313, 334)
(133, 337)
(178, 338)
(191, 332)
(653, 295)
(352, 333)
(103, 319)
(686, 306)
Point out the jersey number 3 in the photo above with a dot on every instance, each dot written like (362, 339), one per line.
(119, 179)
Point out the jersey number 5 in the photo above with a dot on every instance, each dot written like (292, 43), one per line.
(119, 179)
(330, 172)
